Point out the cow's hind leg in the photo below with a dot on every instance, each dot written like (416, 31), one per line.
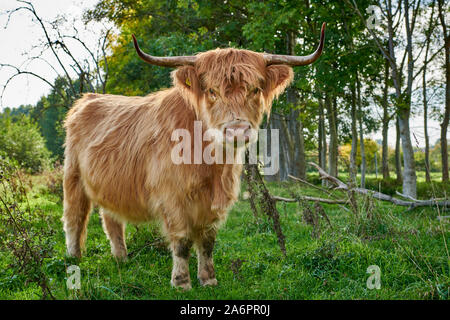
(77, 207)
(204, 247)
(115, 231)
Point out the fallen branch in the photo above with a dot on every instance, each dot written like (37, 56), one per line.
(307, 198)
(413, 203)
(309, 184)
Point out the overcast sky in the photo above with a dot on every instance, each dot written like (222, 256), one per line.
(22, 34)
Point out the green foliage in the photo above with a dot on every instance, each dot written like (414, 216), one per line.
(25, 242)
(49, 114)
(21, 141)
(435, 156)
(130, 76)
(370, 148)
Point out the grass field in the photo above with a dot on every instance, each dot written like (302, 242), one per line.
(322, 262)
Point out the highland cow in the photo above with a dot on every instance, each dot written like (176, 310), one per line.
(118, 152)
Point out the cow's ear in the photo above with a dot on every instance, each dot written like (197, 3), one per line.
(278, 77)
(186, 78)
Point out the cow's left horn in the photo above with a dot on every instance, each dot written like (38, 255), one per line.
(175, 61)
(297, 60)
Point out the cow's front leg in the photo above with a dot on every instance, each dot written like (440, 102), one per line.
(180, 271)
(204, 247)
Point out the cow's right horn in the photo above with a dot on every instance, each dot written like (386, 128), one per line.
(175, 61)
(297, 60)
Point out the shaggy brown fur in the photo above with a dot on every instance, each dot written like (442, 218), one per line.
(118, 156)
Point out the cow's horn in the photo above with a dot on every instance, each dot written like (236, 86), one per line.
(297, 60)
(175, 61)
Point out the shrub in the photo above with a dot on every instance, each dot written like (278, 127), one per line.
(435, 189)
(25, 243)
(21, 141)
(53, 180)
(388, 186)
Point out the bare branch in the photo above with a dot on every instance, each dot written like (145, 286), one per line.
(378, 195)
(31, 9)
(24, 72)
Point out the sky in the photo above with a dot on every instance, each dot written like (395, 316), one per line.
(22, 34)
(19, 38)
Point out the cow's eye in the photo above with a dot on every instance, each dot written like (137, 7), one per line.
(256, 91)
(212, 93)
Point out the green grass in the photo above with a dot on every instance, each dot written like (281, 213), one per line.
(408, 246)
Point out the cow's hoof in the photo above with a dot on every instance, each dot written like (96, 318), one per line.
(208, 282)
(121, 256)
(73, 251)
(186, 286)
(73, 254)
(121, 259)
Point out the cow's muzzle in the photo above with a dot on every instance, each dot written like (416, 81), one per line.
(237, 131)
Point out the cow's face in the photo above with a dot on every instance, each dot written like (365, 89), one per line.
(231, 89)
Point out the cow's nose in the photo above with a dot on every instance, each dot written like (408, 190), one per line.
(237, 132)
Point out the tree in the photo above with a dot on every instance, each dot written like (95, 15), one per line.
(21, 141)
(386, 119)
(428, 33)
(442, 10)
(90, 71)
(406, 11)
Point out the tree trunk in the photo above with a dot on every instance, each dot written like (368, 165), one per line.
(322, 138)
(284, 149)
(425, 119)
(333, 145)
(293, 130)
(445, 120)
(409, 170)
(386, 119)
(409, 173)
(398, 155)
(424, 95)
(361, 134)
(300, 156)
(353, 169)
(295, 127)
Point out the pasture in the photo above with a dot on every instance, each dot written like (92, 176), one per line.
(322, 262)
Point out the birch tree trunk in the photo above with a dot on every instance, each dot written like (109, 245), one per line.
(322, 138)
(425, 117)
(353, 169)
(398, 155)
(386, 120)
(409, 173)
(361, 133)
